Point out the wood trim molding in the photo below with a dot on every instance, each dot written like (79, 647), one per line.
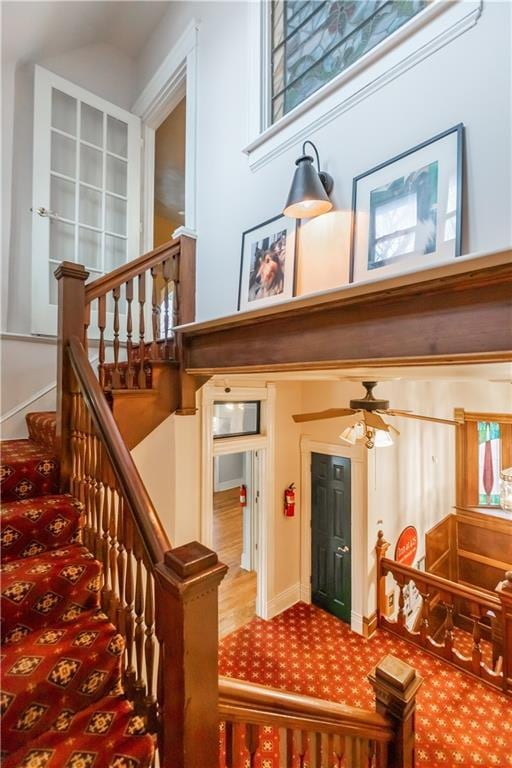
(369, 625)
(491, 561)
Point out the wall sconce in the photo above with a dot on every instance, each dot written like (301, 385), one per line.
(310, 190)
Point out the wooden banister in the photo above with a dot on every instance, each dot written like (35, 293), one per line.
(132, 269)
(441, 597)
(240, 701)
(130, 483)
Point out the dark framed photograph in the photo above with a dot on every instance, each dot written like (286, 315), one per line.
(267, 269)
(406, 212)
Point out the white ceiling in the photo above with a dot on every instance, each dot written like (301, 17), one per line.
(36, 30)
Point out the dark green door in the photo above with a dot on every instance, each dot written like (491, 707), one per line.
(330, 534)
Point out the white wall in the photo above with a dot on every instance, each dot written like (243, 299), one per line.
(452, 85)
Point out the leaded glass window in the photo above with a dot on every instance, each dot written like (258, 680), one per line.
(489, 462)
(315, 40)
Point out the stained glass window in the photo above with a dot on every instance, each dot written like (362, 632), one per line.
(315, 40)
(489, 463)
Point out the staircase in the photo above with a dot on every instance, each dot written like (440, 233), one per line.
(62, 698)
(110, 634)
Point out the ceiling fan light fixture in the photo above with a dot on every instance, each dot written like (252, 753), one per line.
(351, 434)
(382, 439)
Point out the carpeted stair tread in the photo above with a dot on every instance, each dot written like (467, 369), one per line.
(42, 428)
(105, 735)
(49, 670)
(51, 521)
(27, 470)
(50, 589)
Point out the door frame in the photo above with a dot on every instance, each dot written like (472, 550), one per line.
(264, 443)
(359, 524)
(174, 79)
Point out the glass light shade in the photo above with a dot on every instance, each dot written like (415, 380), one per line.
(506, 489)
(307, 196)
(351, 434)
(382, 439)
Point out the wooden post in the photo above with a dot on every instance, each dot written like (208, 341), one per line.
(504, 590)
(187, 280)
(71, 322)
(381, 548)
(188, 632)
(396, 684)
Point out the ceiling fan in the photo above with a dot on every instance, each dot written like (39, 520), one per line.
(363, 422)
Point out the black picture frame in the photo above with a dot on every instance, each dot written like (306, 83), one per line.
(290, 282)
(456, 129)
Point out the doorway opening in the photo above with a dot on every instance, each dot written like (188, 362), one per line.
(169, 176)
(235, 535)
(331, 539)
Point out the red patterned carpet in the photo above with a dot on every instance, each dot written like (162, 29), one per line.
(460, 721)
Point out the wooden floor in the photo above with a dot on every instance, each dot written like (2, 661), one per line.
(237, 593)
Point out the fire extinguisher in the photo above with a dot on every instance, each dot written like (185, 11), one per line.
(243, 496)
(289, 501)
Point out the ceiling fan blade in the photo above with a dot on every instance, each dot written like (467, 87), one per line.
(409, 415)
(331, 413)
(374, 420)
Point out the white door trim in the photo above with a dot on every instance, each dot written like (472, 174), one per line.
(174, 79)
(264, 443)
(359, 527)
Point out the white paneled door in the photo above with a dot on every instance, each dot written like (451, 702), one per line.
(86, 190)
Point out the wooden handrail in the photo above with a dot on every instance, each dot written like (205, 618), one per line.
(151, 529)
(132, 269)
(439, 583)
(240, 701)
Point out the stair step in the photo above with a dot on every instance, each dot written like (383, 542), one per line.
(27, 470)
(42, 427)
(105, 735)
(46, 590)
(79, 663)
(49, 521)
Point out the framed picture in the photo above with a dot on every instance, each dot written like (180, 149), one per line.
(267, 270)
(406, 212)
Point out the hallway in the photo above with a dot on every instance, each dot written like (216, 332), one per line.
(460, 721)
(237, 592)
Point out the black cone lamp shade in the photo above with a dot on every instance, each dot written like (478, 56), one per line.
(309, 193)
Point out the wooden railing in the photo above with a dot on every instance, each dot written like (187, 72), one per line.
(442, 595)
(318, 733)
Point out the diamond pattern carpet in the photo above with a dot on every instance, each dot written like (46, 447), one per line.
(460, 721)
(61, 703)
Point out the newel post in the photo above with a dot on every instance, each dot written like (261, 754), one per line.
(396, 684)
(187, 628)
(71, 322)
(504, 590)
(381, 548)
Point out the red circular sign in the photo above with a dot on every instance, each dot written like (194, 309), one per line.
(407, 546)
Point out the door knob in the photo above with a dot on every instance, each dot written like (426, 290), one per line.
(44, 212)
(344, 549)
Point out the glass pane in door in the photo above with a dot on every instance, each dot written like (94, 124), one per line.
(64, 110)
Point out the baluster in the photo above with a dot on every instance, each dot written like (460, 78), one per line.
(129, 330)
(129, 611)
(87, 322)
(303, 747)
(166, 273)
(331, 756)
(175, 303)
(476, 656)
(102, 323)
(155, 311)
(96, 505)
(425, 617)
(342, 746)
(252, 742)
(401, 607)
(139, 628)
(160, 691)
(92, 454)
(316, 750)
(350, 752)
(149, 650)
(112, 555)
(228, 742)
(74, 446)
(448, 634)
(121, 555)
(289, 742)
(141, 379)
(105, 520)
(116, 374)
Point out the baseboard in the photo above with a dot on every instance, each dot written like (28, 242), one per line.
(283, 600)
(305, 593)
(356, 623)
(245, 561)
